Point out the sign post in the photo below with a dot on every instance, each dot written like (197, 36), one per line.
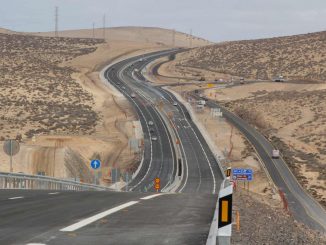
(11, 148)
(95, 164)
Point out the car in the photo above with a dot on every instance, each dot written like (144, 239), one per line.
(275, 154)
(150, 123)
(175, 103)
(133, 95)
(154, 138)
(118, 83)
(123, 87)
(151, 130)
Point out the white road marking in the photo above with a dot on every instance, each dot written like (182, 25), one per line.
(53, 193)
(35, 244)
(152, 196)
(96, 217)
(13, 198)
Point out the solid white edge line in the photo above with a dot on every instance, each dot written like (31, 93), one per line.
(13, 198)
(152, 196)
(53, 193)
(96, 217)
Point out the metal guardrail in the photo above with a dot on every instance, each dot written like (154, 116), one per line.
(37, 182)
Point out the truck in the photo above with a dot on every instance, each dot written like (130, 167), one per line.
(276, 154)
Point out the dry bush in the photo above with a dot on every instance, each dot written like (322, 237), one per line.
(251, 116)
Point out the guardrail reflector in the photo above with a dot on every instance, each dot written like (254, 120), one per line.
(225, 206)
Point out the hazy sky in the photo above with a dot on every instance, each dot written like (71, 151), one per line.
(215, 20)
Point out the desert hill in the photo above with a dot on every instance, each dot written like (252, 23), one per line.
(298, 57)
(134, 34)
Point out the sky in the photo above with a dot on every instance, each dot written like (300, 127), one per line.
(215, 20)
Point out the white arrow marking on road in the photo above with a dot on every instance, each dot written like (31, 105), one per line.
(96, 217)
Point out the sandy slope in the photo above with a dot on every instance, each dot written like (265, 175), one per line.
(298, 57)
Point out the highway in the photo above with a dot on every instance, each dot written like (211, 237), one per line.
(301, 205)
(201, 172)
(140, 216)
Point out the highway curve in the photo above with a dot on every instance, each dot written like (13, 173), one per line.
(140, 216)
(201, 172)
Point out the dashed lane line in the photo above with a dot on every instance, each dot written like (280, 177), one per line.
(96, 217)
(152, 196)
(14, 198)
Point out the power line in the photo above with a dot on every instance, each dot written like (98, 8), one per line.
(104, 26)
(56, 17)
(93, 30)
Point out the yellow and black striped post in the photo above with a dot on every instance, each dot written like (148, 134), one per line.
(225, 215)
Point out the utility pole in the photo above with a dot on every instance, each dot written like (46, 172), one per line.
(56, 17)
(93, 30)
(190, 38)
(104, 26)
(173, 37)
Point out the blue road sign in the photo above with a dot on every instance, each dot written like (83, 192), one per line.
(242, 174)
(95, 164)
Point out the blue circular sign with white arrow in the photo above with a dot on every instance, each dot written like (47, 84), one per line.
(95, 164)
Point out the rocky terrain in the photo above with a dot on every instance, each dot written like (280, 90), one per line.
(299, 57)
(38, 96)
(270, 225)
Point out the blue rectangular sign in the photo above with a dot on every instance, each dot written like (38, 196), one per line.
(242, 174)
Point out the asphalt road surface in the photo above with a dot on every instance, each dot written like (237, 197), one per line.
(41, 217)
